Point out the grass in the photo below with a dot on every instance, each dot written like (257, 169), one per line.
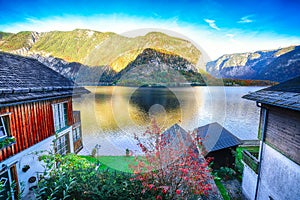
(222, 190)
(119, 163)
(239, 151)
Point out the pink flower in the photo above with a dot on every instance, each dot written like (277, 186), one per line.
(178, 191)
(165, 189)
(151, 186)
(185, 171)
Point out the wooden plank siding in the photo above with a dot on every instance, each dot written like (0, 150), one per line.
(283, 131)
(31, 123)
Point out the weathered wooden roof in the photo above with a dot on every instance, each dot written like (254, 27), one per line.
(24, 79)
(177, 138)
(215, 137)
(286, 95)
(175, 131)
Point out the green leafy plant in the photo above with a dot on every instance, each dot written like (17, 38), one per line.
(225, 173)
(7, 142)
(74, 177)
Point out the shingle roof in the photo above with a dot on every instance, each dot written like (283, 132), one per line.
(172, 132)
(215, 137)
(286, 95)
(177, 137)
(23, 79)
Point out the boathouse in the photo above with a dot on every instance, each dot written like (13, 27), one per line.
(218, 143)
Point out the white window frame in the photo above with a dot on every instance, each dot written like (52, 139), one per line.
(60, 115)
(63, 148)
(2, 125)
(9, 181)
(76, 134)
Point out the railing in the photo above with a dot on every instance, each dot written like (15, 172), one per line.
(251, 160)
(78, 145)
(76, 116)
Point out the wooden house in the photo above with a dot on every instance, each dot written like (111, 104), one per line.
(218, 143)
(276, 173)
(35, 114)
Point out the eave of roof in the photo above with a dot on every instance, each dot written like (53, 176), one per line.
(287, 100)
(24, 95)
(25, 79)
(285, 95)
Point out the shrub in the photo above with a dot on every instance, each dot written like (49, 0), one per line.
(225, 173)
(72, 177)
(173, 167)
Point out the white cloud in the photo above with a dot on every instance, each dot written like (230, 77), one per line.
(212, 23)
(245, 20)
(212, 43)
(230, 35)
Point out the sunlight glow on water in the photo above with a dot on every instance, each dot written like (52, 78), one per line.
(111, 115)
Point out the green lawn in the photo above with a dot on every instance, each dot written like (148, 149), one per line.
(238, 159)
(240, 149)
(119, 163)
(222, 190)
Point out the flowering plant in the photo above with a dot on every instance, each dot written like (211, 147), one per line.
(172, 167)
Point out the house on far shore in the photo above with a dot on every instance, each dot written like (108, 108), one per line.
(218, 143)
(276, 173)
(35, 114)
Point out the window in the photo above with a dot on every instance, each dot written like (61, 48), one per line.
(76, 134)
(62, 144)
(8, 175)
(60, 115)
(4, 120)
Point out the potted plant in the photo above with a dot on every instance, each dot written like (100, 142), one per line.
(25, 168)
(127, 152)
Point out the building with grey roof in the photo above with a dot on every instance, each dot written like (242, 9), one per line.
(36, 114)
(277, 170)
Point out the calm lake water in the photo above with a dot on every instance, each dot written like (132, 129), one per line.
(110, 115)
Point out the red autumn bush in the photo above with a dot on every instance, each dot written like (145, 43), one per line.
(172, 167)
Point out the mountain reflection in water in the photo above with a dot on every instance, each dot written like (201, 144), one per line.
(111, 115)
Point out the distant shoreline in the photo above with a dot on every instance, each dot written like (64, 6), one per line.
(224, 82)
(187, 86)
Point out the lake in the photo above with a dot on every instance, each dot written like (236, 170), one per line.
(110, 115)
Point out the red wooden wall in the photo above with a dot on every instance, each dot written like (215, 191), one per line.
(31, 123)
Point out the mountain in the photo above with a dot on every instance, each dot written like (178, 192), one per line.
(274, 65)
(150, 67)
(154, 67)
(92, 48)
(92, 57)
(79, 73)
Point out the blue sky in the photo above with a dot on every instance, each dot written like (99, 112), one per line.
(218, 27)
